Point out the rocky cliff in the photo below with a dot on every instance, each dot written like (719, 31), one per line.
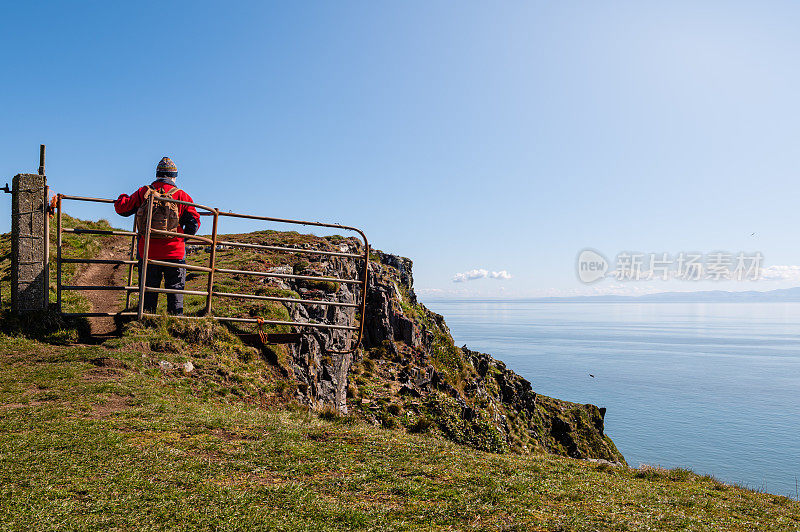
(410, 374)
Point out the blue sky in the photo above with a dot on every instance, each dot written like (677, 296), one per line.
(504, 137)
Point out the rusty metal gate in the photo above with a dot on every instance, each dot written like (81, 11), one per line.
(356, 329)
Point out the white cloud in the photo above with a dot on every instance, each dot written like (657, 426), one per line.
(470, 275)
(781, 273)
(480, 273)
(430, 291)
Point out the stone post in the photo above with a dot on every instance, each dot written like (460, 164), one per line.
(29, 241)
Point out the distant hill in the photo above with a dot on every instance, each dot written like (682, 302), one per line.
(783, 295)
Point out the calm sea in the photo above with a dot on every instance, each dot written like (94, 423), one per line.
(714, 387)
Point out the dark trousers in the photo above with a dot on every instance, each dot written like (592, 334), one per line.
(174, 278)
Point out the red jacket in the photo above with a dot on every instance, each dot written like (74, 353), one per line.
(162, 248)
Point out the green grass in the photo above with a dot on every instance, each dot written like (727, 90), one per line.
(103, 437)
(48, 325)
(75, 246)
(95, 437)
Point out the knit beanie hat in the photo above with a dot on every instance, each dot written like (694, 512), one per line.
(166, 168)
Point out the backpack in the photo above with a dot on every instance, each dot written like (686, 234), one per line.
(166, 215)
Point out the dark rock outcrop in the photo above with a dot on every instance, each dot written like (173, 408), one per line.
(409, 373)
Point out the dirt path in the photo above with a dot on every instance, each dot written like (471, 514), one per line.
(106, 275)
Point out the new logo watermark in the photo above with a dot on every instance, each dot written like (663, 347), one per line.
(592, 266)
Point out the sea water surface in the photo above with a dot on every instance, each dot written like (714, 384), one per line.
(714, 387)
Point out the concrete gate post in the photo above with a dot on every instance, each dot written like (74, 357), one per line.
(30, 272)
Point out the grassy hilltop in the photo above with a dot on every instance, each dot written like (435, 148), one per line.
(127, 435)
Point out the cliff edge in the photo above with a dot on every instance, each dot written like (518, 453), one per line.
(410, 373)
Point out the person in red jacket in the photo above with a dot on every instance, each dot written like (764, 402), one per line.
(165, 249)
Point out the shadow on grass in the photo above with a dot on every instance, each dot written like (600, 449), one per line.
(46, 326)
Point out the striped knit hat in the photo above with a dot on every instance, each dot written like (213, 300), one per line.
(166, 168)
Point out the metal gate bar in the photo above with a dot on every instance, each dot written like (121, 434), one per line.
(99, 232)
(363, 282)
(288, 299)
(289, 276)
(61, 260)
(99, 261)
(98, 287)
(275, 322)
(191, 267)
(291, 250)
(211, 269)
